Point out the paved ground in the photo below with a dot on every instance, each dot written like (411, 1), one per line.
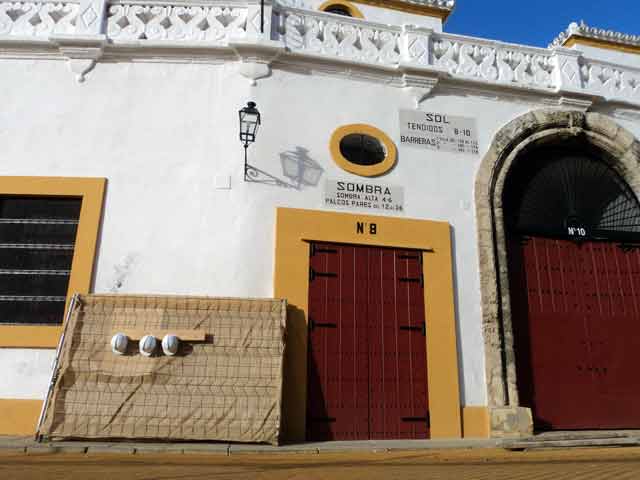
(493, 464)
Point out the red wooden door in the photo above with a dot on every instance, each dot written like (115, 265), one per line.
(613, 320)
(577, 332)
(338, 364)
(367, 368)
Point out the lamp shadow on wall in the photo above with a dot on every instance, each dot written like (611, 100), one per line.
(299, 170)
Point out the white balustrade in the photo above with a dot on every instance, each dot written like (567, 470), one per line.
(37, 19)
(493, 62)
(332, 35)
(610, 81)
(162, 21)
(320, 34)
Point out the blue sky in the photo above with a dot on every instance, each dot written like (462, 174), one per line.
(538, 22)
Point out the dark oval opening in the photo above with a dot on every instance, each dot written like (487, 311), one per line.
(362, 149)
(338, 10)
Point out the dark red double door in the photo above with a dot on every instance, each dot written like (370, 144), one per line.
(576, 313)
(367, 366)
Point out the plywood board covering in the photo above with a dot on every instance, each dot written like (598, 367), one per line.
(226, 388)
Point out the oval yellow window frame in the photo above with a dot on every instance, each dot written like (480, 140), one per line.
(350, 7)
(363, 170)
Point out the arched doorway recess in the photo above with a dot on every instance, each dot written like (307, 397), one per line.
(512, 147)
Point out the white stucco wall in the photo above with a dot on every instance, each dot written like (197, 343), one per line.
(165, 134)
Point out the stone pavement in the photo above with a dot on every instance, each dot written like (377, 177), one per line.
(29, 445)
(615, 438)
(459, 464)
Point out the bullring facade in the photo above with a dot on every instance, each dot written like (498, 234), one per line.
(451, 220)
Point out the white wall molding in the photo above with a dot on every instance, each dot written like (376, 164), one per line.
(573, 103)
(255, 58)
(419, 86)
(82, 52)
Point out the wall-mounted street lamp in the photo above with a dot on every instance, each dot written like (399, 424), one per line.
(249, 123)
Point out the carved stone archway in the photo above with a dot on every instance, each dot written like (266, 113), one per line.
(620, 149)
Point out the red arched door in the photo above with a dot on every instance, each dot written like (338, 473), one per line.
(574, 270)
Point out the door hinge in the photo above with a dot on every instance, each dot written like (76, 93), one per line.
(425, 419)
(419, 280)
(411, 257)
(523, 240)
(628, 247)
(417, 328)
(316, 249)
(323, 419)
(313, 324)
(313, 274)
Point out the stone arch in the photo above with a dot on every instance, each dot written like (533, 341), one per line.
(622, 151)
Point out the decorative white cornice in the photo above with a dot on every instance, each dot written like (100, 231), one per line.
(585, 31)
(215, 31)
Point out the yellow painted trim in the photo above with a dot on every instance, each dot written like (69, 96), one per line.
(91, 190)
(475, 422)
(29, 336)
(19, 417)
(599, 43)
(403, 6)
(351, 8)
(294, 228)
(363, 170)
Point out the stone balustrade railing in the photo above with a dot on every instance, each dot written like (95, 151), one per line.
(37, 19)
(314, 34)
(610, 81)
(319, 33)
(208, 22)
(484, 60)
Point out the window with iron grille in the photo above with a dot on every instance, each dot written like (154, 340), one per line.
(570, 192)
(37, 239)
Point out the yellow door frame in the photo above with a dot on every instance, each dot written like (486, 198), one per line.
(295, 228)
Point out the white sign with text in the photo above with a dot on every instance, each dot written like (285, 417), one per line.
(350, 194)
(438, 131)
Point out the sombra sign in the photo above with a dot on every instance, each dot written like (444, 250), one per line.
(438, 131)
(343, 194)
